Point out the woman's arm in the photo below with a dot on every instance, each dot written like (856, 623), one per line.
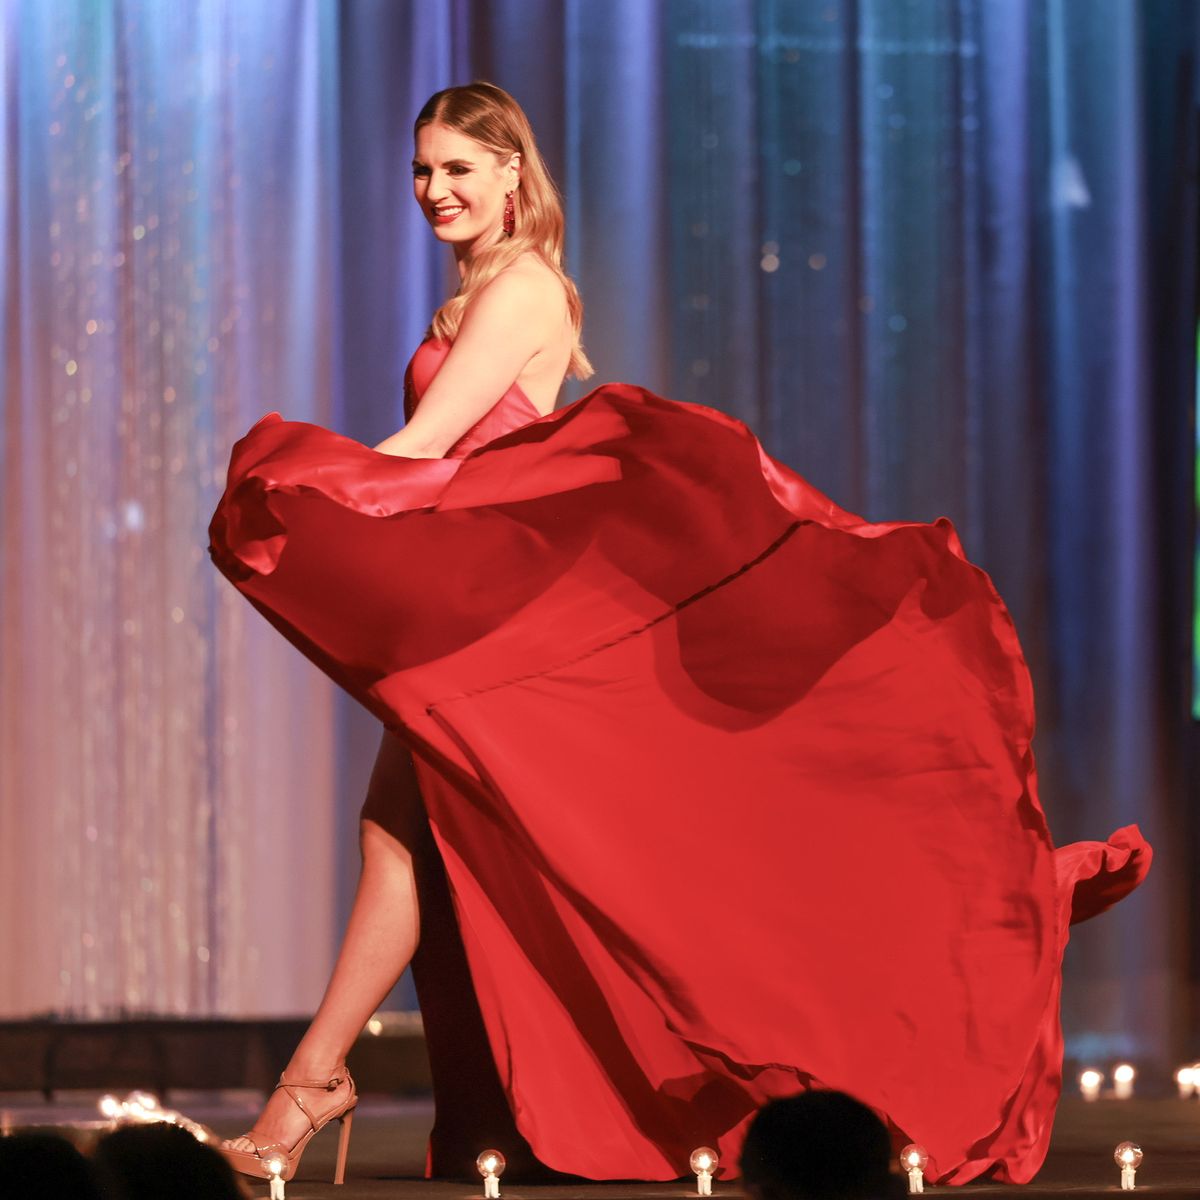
(502, 329)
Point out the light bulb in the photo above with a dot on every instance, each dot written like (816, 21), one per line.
(914, 1159)
(1128, 1154)
(1128, 1157)
(142, 1106)
(490, 1165)
(490, 1162)
(1089, 1083)
(1185, 1078)
(374, 1026)
(1123, 1077)
(110, 1107)
(275, 1166)
(704, 1162)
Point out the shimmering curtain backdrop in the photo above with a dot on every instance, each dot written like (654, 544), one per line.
(938, 253)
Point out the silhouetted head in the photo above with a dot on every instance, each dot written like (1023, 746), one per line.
(44, 1166)
(819, 1145)
(141, 1162)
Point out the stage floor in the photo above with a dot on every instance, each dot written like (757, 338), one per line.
(388, 1148)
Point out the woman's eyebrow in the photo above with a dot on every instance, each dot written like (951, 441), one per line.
(450, 162)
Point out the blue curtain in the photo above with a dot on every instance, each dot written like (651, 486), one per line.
(939, 254)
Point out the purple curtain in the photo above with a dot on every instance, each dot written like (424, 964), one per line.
(939, 255)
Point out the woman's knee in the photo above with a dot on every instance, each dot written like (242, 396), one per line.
(393, 803)
(392, 824)
(375, 840)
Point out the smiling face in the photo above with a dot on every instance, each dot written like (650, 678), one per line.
(461, 185)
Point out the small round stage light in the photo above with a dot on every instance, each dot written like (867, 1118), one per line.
(1089, 1083)
(275, 1165)
(490, 1164)
(1123, 1077)
(1185, 1080)
(704, 1162)
(1128, 1157)
(913, 1160)
(142, 1106)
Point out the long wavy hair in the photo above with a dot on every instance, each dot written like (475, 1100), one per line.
(491, 117)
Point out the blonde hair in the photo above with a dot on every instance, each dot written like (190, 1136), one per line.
(490, 116)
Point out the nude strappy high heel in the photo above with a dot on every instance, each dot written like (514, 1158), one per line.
(254, 1163)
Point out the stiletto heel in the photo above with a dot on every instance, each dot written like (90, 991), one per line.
(255, 1163)
(345, 1120)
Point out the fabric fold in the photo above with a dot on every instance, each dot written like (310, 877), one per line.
(734, 791)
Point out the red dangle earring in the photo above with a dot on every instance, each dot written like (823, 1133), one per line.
(510, 217)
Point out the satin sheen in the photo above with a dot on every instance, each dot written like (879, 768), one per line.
(733, 792)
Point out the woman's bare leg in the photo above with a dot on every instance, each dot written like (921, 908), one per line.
(381, 937)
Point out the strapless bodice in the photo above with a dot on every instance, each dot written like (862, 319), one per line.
(510, 412)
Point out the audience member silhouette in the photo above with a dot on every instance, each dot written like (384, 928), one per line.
(819, 1145)
(44, 1166)
(144, 1162)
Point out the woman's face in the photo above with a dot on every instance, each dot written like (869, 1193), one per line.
(461, 186)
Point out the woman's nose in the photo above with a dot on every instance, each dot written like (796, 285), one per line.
(438, 187)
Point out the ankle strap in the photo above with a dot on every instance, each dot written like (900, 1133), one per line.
(328, 1085)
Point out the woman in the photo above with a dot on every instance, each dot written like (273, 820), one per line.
(516, 317)
(701, 789)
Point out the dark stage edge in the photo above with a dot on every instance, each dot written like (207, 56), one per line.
(387, 1152)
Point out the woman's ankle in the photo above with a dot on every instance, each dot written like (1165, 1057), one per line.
(319, 1064)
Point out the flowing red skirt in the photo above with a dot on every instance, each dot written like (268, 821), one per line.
(733, 792)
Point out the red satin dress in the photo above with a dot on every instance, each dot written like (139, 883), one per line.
(731, 791)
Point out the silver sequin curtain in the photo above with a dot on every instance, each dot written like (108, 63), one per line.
(165, 764)
(938, 253)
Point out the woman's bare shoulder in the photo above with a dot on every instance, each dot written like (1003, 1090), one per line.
(530, 282)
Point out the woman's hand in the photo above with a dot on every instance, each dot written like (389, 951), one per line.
(402, 447)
